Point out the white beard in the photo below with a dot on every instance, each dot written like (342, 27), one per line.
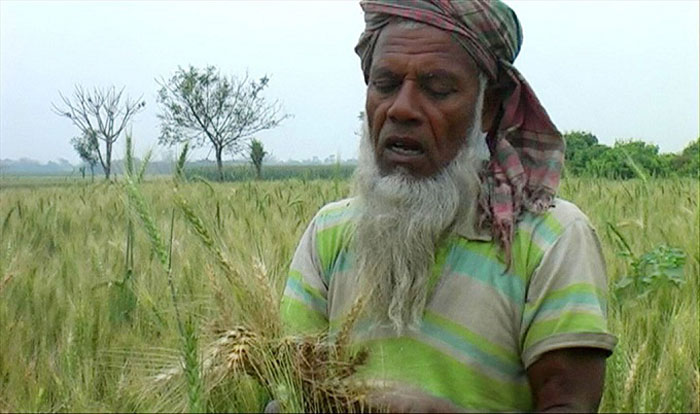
(401, 219)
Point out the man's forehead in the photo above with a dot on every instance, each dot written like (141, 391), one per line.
(416, 34)
(434, 48)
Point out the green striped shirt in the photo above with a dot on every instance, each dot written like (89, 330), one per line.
(482, 326)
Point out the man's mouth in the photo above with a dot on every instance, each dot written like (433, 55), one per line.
(404, 146)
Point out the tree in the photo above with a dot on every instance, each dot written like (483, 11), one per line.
(629, 159)
(257, 153)
(101, 115)
(688, 162)
(87, 147)
(578, 151)
(645, 156)
(205, 108)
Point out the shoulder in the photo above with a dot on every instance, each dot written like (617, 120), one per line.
(338, 206)
(566, 212)
(536, 234)
(332, 231)
(333, 224)
(335, 213)
(554, 222)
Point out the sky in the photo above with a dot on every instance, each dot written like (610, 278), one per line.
(620, 69)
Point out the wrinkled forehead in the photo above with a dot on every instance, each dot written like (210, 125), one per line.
(410, 38)
(414, 30)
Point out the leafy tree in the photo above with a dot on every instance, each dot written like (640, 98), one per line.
(688, 162)
(596, 161)
(628, 159)
(87, 148)
(644, 155)
(257, 154)
(100, 115)
(203, 107)
(578, 153)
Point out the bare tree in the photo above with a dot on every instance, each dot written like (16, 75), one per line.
(101, 115)
(205, 108)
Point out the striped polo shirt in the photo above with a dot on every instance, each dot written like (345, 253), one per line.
(484, 323)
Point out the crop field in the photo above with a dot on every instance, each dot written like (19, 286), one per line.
(162, 295)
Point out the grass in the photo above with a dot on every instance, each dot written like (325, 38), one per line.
(275, 172)
(79, 335)
(655, 366)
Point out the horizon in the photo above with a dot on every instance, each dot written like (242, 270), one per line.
(242, 158)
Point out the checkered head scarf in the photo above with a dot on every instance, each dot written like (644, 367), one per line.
(527, 151)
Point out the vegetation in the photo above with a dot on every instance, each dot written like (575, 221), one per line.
(87, 147)
(585, 156)
(275, 172)
(100, 115)
(161, 295)
(257, 154)
(202, 107)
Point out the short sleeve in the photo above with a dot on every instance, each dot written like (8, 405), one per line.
(304, 307)
(567, 296)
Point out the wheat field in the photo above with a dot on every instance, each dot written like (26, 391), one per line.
(130, 296)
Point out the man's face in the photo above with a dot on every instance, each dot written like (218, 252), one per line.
(422, 92)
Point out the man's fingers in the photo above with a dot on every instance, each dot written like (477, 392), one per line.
(409, 400)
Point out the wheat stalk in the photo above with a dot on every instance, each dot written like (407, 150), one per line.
(304, 372)
(143, 212)
(343, 337)
(696, 388)
(267, 293)
(260, 295)
(187, 330)
(6, 280)
(632, 373)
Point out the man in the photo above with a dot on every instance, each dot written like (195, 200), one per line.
(481, 290)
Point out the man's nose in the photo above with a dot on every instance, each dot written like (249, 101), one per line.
(405, 107)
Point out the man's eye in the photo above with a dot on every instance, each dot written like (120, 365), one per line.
(439, 90)
(438, 87)
(385, 85)
(440, 93)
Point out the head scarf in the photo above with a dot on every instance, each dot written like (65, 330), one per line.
(527, 151)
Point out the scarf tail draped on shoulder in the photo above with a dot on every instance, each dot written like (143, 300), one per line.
(527, 150)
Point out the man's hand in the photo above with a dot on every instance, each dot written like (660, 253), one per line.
(394, 400)
(404, 399)
(568, 380)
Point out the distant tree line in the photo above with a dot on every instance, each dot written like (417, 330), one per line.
(585, 156)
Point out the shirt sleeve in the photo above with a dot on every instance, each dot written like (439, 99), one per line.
(304, 307)
(567, 297)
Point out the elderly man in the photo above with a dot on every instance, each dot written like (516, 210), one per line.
(482, 291)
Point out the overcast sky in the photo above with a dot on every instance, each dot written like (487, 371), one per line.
(621, 70)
